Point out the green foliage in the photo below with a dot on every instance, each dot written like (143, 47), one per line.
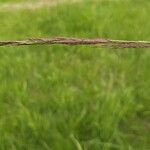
(80, 97)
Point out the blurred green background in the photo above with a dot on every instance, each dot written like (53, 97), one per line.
(79, 97)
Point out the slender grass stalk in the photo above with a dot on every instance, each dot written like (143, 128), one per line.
(77, 41)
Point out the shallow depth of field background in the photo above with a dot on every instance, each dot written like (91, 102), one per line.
(80, 97)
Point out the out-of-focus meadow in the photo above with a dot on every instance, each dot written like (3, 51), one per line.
(80, 97)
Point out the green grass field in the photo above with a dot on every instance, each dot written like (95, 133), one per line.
(80, 97)
(14, 1)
